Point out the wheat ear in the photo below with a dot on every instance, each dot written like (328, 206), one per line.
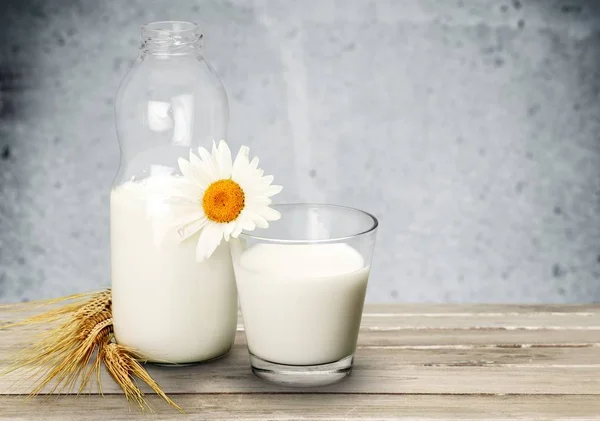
(121, 364)
(64, 355)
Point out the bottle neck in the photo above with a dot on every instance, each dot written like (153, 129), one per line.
(171, 38)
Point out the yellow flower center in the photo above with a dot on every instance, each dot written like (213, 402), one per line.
(223, 201)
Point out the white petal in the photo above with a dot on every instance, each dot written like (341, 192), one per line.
(261, 222)
(187, 189)
(249, 184)
(180, 215)
(257, 200)
(210, 238)
(209, 164)
(266, 180)
(214, 159)
(228, 229)
(237, 231)
(244, 222)
(186, 231)
(223, 158)
(271, 190)
(254, 163)
(257, 219)
(240, 164)
(194, 174)
(194, 159)
(186, 169)
(200, 171)
(269, 214)
(249, 225)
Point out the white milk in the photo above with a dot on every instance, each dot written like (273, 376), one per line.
(166, 305)
(302, 304)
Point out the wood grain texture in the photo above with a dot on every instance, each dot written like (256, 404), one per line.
(501, 309)
(242, 407)
(441, 325)
(431, 338)
(413, 362)
(447, 371)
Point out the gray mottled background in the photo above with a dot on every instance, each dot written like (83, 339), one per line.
(471, 128)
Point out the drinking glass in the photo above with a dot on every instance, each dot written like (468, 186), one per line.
(302, 284)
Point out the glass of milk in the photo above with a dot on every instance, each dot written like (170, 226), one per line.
(302, 285)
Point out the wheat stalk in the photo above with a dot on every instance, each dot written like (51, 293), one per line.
(74, 350)
(122, 365)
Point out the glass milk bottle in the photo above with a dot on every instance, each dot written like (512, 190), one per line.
(166, 305)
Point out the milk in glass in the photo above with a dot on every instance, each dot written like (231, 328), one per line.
(301, 303)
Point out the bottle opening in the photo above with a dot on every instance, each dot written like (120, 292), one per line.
(171, 37)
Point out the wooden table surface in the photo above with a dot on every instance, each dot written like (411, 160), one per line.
(417, 362)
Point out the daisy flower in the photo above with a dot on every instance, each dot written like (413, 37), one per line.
(218, 198)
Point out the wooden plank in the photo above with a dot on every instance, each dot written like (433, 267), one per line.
(444, 315)
(12, 340)
(461, 355)
(533, 321)
(525, 351)
(481, 337)
(442, 328)
(478, 309)
(307, 407)
(395, 371)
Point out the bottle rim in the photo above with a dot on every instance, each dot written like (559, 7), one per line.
(170, 37)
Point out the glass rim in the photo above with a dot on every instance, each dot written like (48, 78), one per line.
(372, 228)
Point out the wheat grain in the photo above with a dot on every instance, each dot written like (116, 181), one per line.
(71, 352)
(122, 366)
